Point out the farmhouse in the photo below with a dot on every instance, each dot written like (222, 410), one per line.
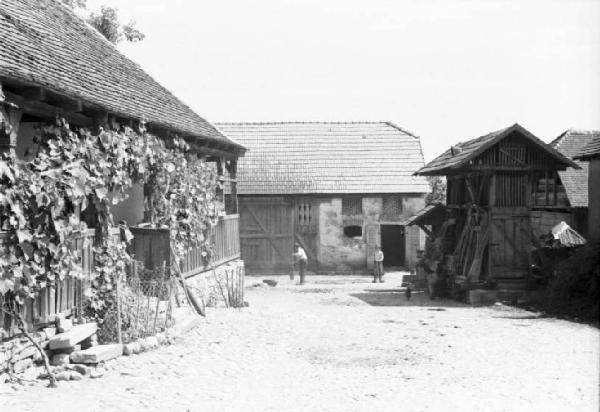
(575, 181)
(591, 154)
(338, 189)
(53, 65)
(503, 191)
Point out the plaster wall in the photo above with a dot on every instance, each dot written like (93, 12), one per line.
(337, 251)
(25, 140)
(131, 210)
(341, 253)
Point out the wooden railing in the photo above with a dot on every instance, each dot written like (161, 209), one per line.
(152, 247)
(63, 297)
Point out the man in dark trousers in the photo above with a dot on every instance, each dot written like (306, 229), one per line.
(301, 259)
(378, 269)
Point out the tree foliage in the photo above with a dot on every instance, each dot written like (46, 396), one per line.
(438, 190)
(107, 22)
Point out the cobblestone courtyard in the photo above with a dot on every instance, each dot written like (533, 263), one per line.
(344, 344)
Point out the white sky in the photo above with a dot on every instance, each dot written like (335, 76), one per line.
(446, 70)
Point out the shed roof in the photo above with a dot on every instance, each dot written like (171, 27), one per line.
(45, 44)
(429, 215)
(591, 150)
(459, 155)
(575, 181)
(327, 157)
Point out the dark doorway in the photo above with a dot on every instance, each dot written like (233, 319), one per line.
(392, 245)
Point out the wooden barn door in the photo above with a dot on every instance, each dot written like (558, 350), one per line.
(266, 234)
(306, 227)
(510, 245)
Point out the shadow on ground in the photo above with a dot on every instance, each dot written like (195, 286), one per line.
(396, 297)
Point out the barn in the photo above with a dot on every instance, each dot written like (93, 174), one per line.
(339, 189)
(503, 192)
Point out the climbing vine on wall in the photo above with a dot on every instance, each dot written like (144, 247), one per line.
(77, 170)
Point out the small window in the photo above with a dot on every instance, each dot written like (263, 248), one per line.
(353, 231)
(392, 205)
(304, 214)
(352, 206)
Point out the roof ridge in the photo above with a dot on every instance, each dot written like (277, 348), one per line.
(558, 140)
(313, 122)
(395, 126)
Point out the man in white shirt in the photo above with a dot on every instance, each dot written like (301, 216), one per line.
(300, 258)
(378, 269)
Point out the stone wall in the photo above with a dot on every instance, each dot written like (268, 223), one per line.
(222, 287)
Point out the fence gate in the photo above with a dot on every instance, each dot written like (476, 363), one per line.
(266, 233)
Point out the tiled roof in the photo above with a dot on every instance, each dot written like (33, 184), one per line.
(321, 157)
(575, 181)
(592, 149)
(459, 155)
(43, 43)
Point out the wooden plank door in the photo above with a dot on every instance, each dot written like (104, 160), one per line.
(510, 244)
(266, 234)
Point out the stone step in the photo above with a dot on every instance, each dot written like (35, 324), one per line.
(97, 354)
(72, 337)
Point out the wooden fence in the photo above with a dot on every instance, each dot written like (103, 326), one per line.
(62, 298)
(152, 247)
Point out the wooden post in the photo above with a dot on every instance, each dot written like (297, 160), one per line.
(220, 191)
(10, 119)
(232, 169)
(119, 337)
(554, 182)
(546, 180)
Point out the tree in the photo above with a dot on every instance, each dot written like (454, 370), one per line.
(438, 190)
(107, 23)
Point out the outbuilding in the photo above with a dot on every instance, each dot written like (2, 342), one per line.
(503, 192)
(338, 189)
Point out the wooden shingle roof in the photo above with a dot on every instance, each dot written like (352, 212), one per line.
(323, 157)
(458, 156)
(575, 181)
(44, 44)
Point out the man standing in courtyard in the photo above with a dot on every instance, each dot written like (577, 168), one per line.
(378, 269)
(301, 259)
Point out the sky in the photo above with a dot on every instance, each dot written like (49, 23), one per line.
(446, 70)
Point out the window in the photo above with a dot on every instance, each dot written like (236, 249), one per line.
(304, 214)
(353, 231)
(548, 190)
(392, 205)
(352, 206)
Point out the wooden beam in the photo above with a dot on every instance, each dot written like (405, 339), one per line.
(427, 231)
(46, 111)
(210, 151)
(34, 93)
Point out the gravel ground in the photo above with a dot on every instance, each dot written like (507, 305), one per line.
(344, 344)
